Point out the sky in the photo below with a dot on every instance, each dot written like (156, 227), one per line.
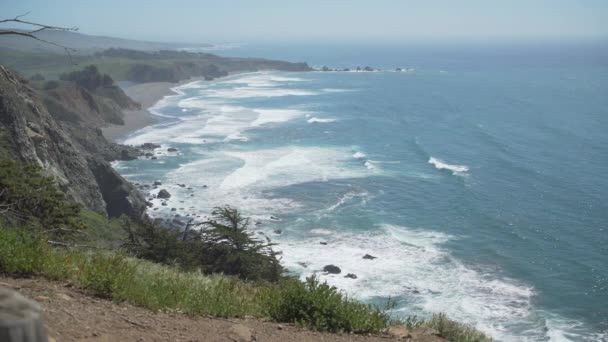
(238, 21)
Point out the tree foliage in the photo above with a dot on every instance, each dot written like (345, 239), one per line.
(221, 245)
(233, 249)
(29, 198)
(89, 78)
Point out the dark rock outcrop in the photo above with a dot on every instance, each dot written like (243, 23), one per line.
(332, 269)
(351, 276)
(121, 197)
(369, 257)
(164, 194)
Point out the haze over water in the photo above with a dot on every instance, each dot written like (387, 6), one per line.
(477, 178)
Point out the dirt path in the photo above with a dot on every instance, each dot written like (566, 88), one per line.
(71, 315)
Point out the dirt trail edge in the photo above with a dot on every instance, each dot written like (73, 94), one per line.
(72, 315)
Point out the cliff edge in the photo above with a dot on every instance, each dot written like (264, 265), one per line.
(36, 127)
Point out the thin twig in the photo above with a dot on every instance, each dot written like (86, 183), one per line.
(40, 28)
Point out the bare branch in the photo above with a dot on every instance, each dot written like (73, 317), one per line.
(39, 28)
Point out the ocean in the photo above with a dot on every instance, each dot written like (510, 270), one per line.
(477, 177)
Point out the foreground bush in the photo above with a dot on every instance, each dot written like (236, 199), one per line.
(322, 307)
(455, 331)
(223, 244)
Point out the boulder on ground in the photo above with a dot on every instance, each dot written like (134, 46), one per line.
(332, 269)
(241, 333)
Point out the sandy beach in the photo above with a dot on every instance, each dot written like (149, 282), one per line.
(147, 94)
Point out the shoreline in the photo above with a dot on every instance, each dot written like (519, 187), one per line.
(147, 94)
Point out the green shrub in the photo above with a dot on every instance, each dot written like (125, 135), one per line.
(89, 77)
(103, 273)
(221, 245)
(20, 252)
(28, 197)
(322, 307)
(232, 249)
(455, 331)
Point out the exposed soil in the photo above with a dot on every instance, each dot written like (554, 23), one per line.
(72, 315)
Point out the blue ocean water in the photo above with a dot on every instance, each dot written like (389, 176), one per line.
(477, 178)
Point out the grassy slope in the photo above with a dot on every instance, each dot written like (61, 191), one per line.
(111, 274)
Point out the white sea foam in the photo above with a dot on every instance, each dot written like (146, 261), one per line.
(384, 161)
(359, 155)
(248, 92)
(244, 178)
(313, 120)
(276, 115)
(348, 197)
(441, 165)
(412, 263)
(337, 90)
(263, 79)
(289, 165)
(321, 232)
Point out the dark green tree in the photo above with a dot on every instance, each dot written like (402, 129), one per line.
(28, 198)
(233, 250)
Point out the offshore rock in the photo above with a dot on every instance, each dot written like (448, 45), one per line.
(163, 194)
(332, 269)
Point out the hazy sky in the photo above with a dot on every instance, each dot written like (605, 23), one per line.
(239, 21)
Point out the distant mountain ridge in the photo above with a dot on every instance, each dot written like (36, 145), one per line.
(85, 44)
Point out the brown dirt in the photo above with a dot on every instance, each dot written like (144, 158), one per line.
(72, 315)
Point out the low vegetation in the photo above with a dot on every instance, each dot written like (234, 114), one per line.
(114, 275)
(216, 268)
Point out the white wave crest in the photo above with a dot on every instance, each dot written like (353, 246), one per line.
(276, 115)
(441, 165)
(359, 155)
(313, 120)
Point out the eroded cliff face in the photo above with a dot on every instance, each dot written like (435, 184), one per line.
(70, 148)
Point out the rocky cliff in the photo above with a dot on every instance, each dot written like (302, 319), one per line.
(58, 129)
